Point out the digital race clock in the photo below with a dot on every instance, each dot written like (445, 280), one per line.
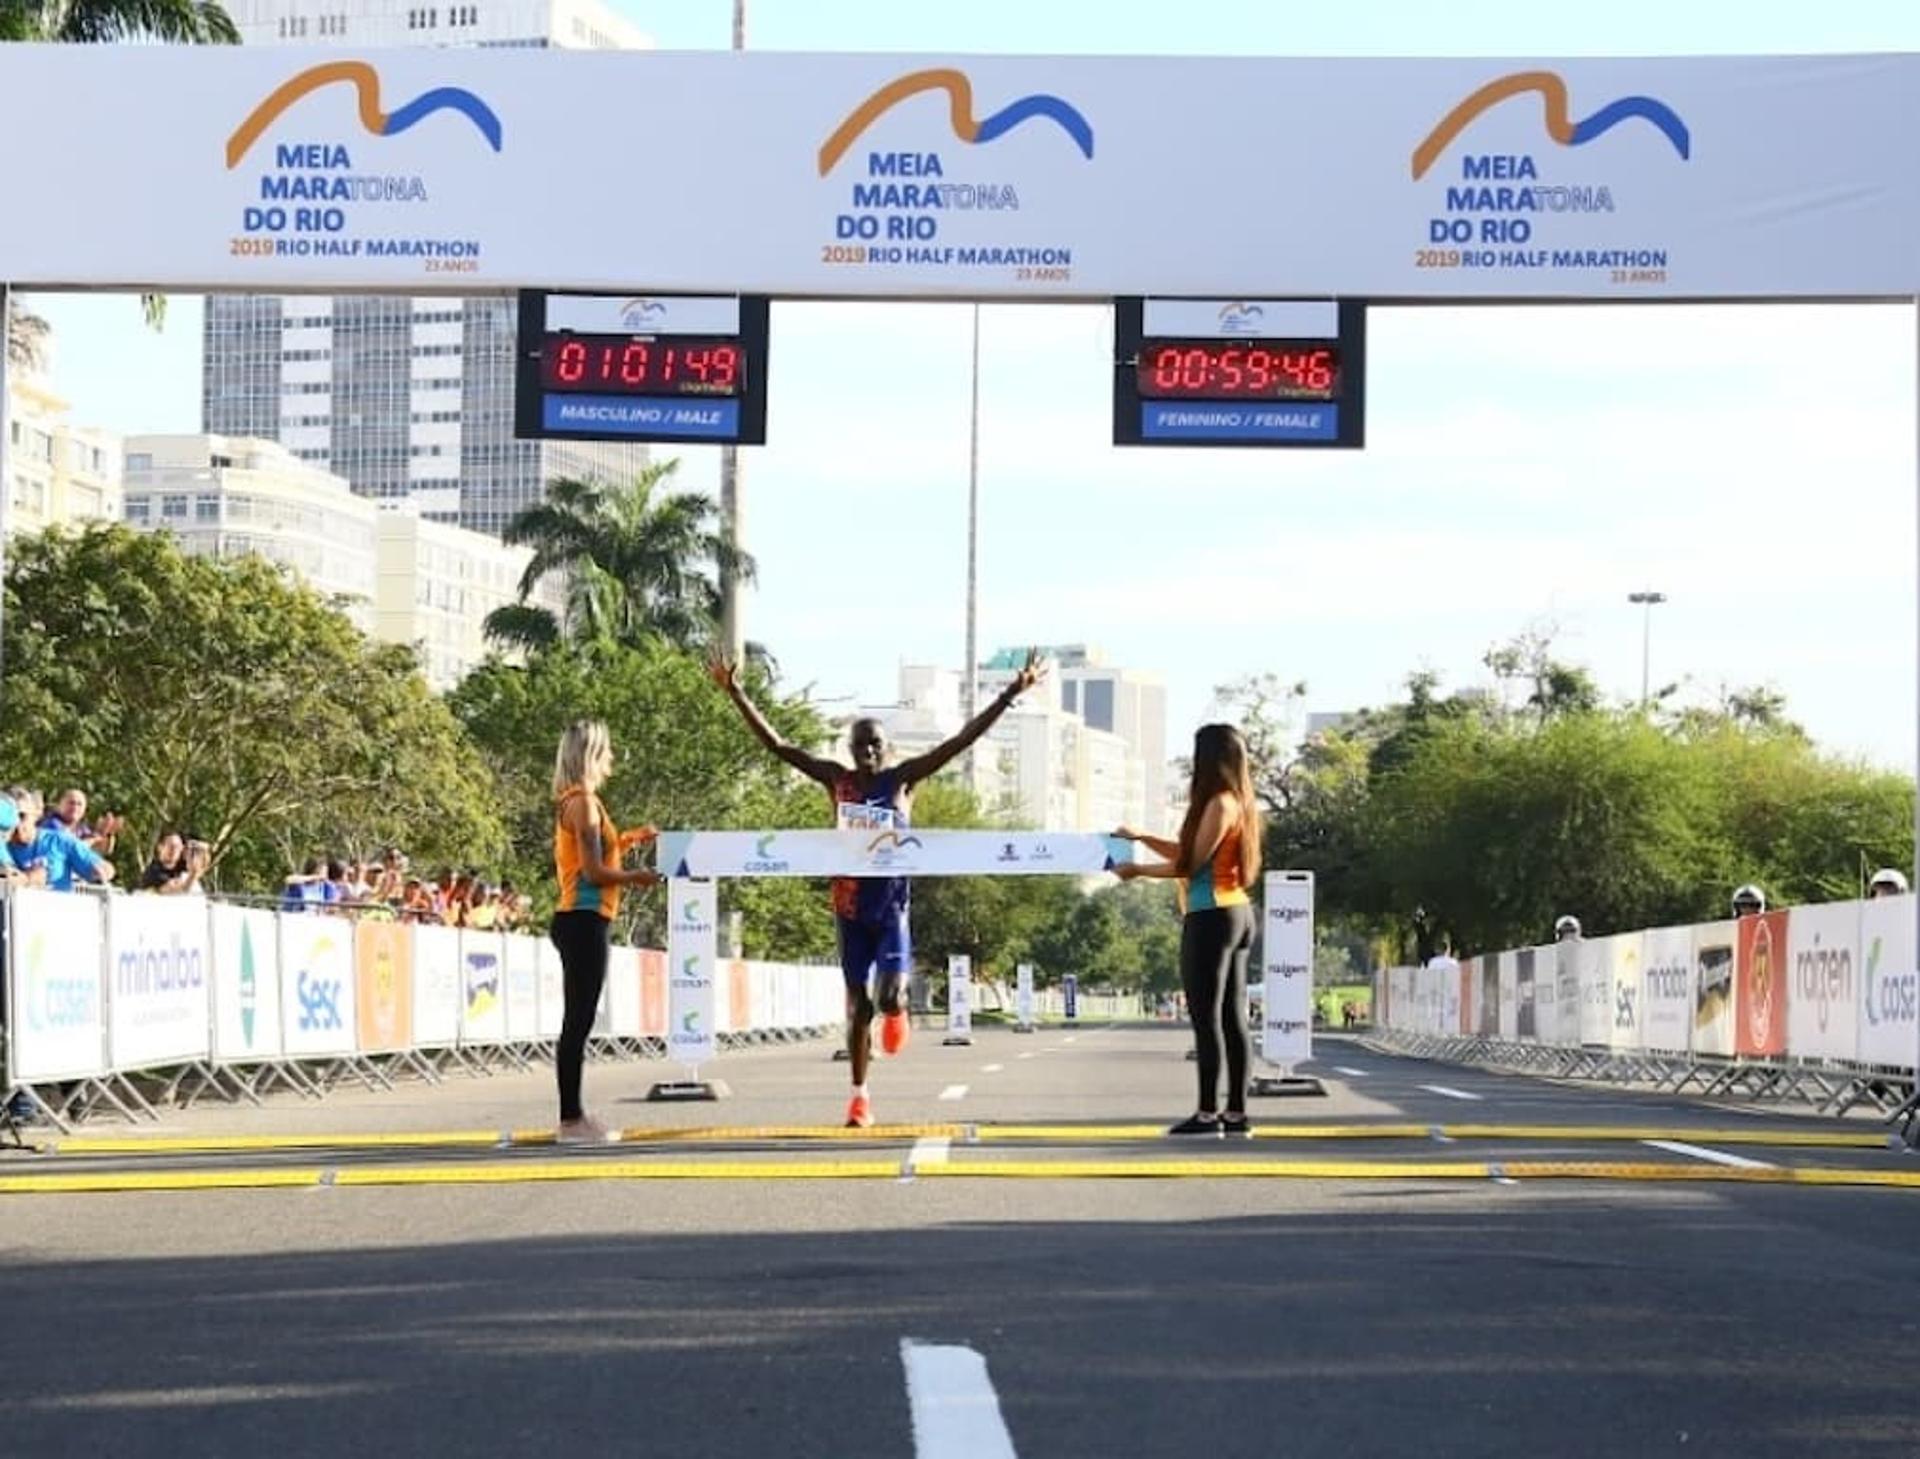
(642, 367)
(1239, 372)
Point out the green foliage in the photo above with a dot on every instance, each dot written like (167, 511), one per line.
(98, 22)
(218, 697)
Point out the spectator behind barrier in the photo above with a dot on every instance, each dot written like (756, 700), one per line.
(305, 890)
(177, 865)
(1886, 883)
(1566, 929)
(49, 853)
(70, 811)
(1749, 901)
(1443, 957)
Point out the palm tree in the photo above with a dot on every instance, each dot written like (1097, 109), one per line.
(104, 22)
(639, 564)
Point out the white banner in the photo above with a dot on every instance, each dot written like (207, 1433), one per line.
(522, 962)
(959, 996)
(1533, 976)
(623, 993)
(887, 853)
(552, 987)
(437, 993)
(1286, 1036)
(1823, 981)
(483, 988)
(1451, 1014)
(1625, 990)
(1595, 962)
(692, 971)
(1889, 1022)
(57, 1012)
(246, 984)
(1023, 994)
(1667, 976)
(261, 167)
(1509, 982)
(318, 1003)
(1568, 1004)
(1715, 945)
(159, 996)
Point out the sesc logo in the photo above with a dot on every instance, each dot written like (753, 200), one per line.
(319, 1003)
(1626, 1008)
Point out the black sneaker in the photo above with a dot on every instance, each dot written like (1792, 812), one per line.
(1194, 1125)
(1237, 1129)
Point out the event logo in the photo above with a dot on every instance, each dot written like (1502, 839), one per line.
(307, 202)
(891, 841)
(1560, 125)
(366, 82)
(1488, 217)
(640, 313)
(762, 863)
(900, 204)
(966, 128)
(1760, 1009)
(1240, 318)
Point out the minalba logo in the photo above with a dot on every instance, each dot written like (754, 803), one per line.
(1560, 125)
(366, 82)
(966, 127)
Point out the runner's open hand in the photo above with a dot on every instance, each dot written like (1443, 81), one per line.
(1031, 672)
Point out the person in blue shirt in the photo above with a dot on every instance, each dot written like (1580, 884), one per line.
(50, 850)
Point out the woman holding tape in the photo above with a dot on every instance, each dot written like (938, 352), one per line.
(587, 852)
(1216, 860)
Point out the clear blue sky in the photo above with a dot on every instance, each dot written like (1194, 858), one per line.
(1525, 466)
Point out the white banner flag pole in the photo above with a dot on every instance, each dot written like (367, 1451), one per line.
(1286, 1020)
(959, 999)
(692, 973)
(1023, 999)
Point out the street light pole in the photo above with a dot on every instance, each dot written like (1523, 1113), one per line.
(732, 514)
(1646, 601)
(969, 686)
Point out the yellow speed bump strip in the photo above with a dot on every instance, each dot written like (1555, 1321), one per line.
(517, 1173)
(487, 1139)
(1829, 1139)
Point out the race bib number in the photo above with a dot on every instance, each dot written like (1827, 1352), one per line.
(867, 817)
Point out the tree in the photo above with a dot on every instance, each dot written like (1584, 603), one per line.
(218, 697)
(103, 22)
(639, 564)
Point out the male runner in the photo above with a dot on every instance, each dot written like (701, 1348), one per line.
(871, 912)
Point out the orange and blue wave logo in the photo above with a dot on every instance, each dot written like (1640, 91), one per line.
(892, 841)
(1560, 125)
(966, 126)
(366, 83)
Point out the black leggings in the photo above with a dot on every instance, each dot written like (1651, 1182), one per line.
(1214, 947)
(582, 940)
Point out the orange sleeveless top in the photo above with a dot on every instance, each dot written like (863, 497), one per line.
(577, 894)
(1218, 883)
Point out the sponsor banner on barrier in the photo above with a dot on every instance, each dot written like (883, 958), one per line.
(872, 852)
(317, 1014)
(1889, 1008)
(483, 988)
(1023, 994)
(653, 993)
(1566, 991)
(739, 997)
(1667, 999)
(1070, 996)
(383, 967)
(1451, 1012)
(889, 176)
(1526, 1013)
(522, 960)
(959, 995)
(1595, 961)
(1481, 1003)
(1823, 984)
(1286, 972)
(1507, 1019)
(437, 993)
(551, 988)
(692, 972)
(58, 1012)
(1716, 991)
(159, 994)
(623, 994)
(1625, 990)
(245, 944)
(1762, 976)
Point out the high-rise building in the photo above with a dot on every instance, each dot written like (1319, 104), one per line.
(408, 399)
(63, 474)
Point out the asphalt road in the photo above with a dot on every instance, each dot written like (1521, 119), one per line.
(749, 1314)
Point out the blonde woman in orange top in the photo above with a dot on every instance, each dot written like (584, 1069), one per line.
(1216, 860)
(587, 852)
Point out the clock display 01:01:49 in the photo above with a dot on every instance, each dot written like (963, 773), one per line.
(625, 365)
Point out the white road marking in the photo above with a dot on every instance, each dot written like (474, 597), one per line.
(954, 1091)
(1701, 1152)
(1026, 1056)
(928, 1150)
(1350, 1073)
(1069, 1038)
(956, 1414)
(991, 1068)
(1449, 1093)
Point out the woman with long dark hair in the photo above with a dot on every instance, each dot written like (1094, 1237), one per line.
(1216, 860)
(587, 852)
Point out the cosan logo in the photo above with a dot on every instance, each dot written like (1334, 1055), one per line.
(1823, 976)
(764, 862)
(1889, 997)
(54, 1003)
(690, 974)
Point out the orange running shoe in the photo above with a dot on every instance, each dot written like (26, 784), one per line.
(859, 1113)
(895, 1030)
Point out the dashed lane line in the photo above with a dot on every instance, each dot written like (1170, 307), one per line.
(1717, 1157)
